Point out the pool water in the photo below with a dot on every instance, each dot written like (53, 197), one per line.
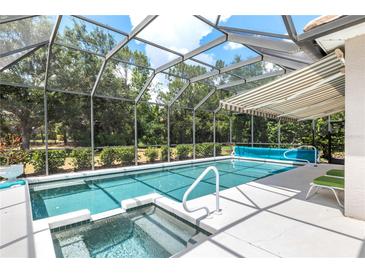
(99, 194)
(147, 232)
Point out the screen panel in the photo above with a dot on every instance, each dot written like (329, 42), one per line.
(22, 131)
(87, 36)
(69, 132)
(29, 71)
(122, 80)
(19, 34)
(73, 70)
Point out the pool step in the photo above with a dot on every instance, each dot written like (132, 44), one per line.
(74, 247)
(172, 234)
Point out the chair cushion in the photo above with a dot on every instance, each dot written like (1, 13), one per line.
(329, 181)
(336, 172)
(10, 184)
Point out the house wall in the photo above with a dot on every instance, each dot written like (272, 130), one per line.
(355, 128)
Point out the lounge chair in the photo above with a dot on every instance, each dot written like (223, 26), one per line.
(336, 173)
(332, 181)
(5, 185)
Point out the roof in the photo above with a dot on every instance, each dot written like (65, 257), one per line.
(27, 36)
(309, 93)
(321, 20)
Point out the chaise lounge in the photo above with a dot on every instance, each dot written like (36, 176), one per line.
(333, 180)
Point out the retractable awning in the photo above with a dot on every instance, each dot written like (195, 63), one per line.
(309, 93)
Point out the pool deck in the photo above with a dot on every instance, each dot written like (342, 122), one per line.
(271, 218)
(16, 230)
(266, 218)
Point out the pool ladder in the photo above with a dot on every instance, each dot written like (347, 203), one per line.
(305, 160)
(196, 182)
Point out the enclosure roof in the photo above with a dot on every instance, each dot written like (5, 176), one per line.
(321, 20)
(276, 43)
(309, 93)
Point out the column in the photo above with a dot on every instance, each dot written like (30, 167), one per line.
(355, 128)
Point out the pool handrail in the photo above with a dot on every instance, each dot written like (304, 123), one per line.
(196, 182)
(305, 160)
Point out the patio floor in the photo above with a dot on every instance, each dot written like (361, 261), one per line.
(271, 218)
(16, 231)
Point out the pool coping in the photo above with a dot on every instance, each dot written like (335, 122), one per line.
(111, 171)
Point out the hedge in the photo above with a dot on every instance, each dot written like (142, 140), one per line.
(183, 151)
(124, 155)
(204, 150)
(164, 153)
(151, 153)
(107, 156)
(56, 159)
(81, 158)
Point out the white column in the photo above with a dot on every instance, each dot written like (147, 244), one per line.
(194, 134)
(355, 128)
(252, 131)
(214, 133)
(279, 133)
(168, 134)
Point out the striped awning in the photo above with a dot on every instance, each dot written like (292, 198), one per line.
(309, 93)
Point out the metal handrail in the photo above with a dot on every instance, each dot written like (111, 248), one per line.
(196, 182)
(305, 160)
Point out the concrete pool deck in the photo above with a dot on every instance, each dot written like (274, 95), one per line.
(16, 230)
(266, 218)
(271, 218)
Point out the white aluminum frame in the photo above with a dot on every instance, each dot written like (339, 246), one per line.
(279, 52)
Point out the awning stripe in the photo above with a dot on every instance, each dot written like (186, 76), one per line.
(299, 75)
(308, 89)
(290, 86)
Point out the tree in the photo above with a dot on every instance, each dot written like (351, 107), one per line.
(75, 72)
(22, 111)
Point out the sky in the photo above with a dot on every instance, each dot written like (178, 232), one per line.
(183, 34)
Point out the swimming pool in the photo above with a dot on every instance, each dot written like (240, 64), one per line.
(103, 193)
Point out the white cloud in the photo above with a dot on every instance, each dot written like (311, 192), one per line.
(159, 84)
(157, 56)
(213, 18)
(178, 32)
(207, 58)
(232, 46)
(123, 72)
(224, 18)
(270, 67)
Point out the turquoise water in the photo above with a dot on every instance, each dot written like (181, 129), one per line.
(102, 194)
(148, 232)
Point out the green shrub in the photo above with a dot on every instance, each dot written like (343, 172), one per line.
(108, 156)
(124, 154)
(81, 158)
(183, 151)
(218, 149)
(151, 154)
(11, 151)
(14, 156)
(204, 150)
(164, 153)
(56, 159)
